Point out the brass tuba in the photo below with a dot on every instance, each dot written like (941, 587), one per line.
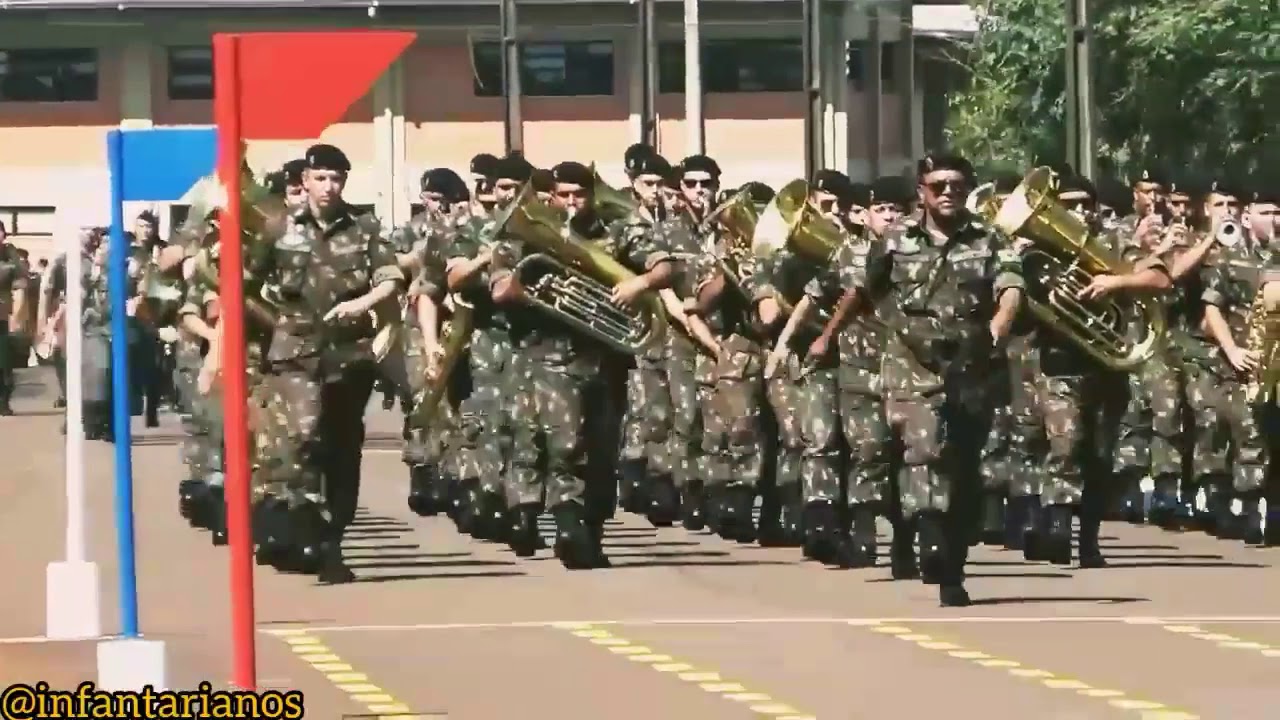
(737, 217)
(572, 280)
(609, 203)
(791, 222)
(1064, 259)
(1264, 339)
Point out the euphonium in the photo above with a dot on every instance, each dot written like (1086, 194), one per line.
(455, 335)
(262, 311)
(572, 280)
(1063, 261)
(609, 203)
(737, 218)
(1264, 339)
(792, 222)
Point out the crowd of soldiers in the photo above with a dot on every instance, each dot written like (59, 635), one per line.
(793, 399)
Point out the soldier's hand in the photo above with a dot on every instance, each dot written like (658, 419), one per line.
(507, 290)
(819, 346)
(1100, 285)
(346, 311)
(433, 354)
(626, 292)
(1241, 359)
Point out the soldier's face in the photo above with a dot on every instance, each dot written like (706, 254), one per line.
(646, 188)
(698, 188)
(1221, 206)
(1264, 221)
(826, 203)
(432, 201)
(943, 192)
(569, 197)
(858, 215)
(324, 187)
(504, 191)
(295, 195)
(143, 229)
(1146, 196)
(881, 216)
(1178, 206)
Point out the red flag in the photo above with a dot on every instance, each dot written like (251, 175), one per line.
(337, 68)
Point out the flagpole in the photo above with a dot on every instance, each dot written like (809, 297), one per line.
(117, 290)
(227, 115)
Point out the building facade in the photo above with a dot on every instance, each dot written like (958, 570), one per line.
(69, 75)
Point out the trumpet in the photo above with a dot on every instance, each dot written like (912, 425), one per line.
(1228, 233)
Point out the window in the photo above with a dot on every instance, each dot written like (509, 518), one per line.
(28, 221)
(734, 66)
(190, 73)
(888, 61)
(49, 75)
(547, 69)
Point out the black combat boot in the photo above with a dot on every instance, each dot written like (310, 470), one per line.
(902, 550)
(664, 501)
(331, 567)
(1017, 509)
(443, 491)
(932, 547)
(1251, 520)
(267, 518)
(693, 506)
(1092, 511)
(1131, 503)
(465, 505)
(791, 515)
(309, 530)
(631, 486)
(993, 518)
(574, 544)
(1055, 539)
(217, 515)
(422, 478)
(858, 547)
(735, 509)
(821, 531)
(189, 493)
(1033, 530)
(524, 538)
(955, 551)
(1271, 528)
(599, 560)
(1165, 510)
(490, 521)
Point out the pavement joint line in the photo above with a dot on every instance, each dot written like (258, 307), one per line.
(862, 621)
(1146, 709)
(356, 685)
(1223, 640)
(708, 681)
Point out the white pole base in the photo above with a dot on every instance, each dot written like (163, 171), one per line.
(129, 665)
(71, 606)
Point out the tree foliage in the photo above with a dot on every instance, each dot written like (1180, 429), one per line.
(1178, 84)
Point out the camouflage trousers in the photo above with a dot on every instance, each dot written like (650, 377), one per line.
(662, 415)
(431, 445)
(731, 395)
(201, 425)
(805, 403)
(866, 432)
(1013, 458)
(484, 422)
(1151, 437)
(550, 424)
(1229, 432)
(311, 435)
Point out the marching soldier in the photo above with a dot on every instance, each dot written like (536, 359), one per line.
(14, 276)
(330, 267)
(556, 370)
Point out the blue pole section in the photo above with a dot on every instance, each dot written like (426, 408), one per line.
(117, 288)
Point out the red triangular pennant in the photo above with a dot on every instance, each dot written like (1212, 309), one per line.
(339, 68)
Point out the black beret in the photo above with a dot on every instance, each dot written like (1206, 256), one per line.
(513, 167)
(573, 173)
(650, 164)
(275, 183)
(700, 163)
(891, 189)
(859, 194)
(1263, 191)
(441, 180)
(636, 153)
(832, 181)
(761, 194)
(1006, 182)
(293, 171)
(1225, 187)
(1179, 187)
(327, 157)
(543, 180)
(1149, 175)
(933, 162)
(457, 188)
(484, 165)
(149, 217)
(1077, 184)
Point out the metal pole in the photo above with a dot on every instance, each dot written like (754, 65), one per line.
(811, 46)
(77, 545)
(648, 74)
(696, 141)
(513, 128)
(1081, 144)
(906, 69)
(873, 88)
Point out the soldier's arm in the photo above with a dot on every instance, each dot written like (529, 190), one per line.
(388, 278)
(467, 261)
(1007, 287)
(504, 286)
(763, 293)
(643, 249)
(1217, 299)
(191, 316)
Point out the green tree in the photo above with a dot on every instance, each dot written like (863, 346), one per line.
(1187, 85)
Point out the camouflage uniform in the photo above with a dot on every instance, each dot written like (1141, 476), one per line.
(1231, 432)
(936, 301)
(14, 275)
(319, 376)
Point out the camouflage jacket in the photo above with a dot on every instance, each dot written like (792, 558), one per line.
(1230, 279)
(699, 250)
(467, 236)
(933, 296)
(860, 342)
(311, 270)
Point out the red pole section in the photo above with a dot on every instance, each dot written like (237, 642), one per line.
(226, 113)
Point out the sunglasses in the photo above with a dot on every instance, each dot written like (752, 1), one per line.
(938, 187)
(691, 183)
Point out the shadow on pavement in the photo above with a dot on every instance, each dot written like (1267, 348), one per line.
(1017, 600)
(437, 576)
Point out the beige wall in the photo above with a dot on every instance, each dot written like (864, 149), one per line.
(54, 154)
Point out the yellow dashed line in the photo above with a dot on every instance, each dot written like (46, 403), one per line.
(1146, 709)
(357, 686)
(1223, 640)
(706, 680)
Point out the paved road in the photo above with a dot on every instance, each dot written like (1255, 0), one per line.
(683, 625)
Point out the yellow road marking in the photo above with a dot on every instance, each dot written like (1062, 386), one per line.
(355, 684)
(1146, 709)
(1223, 640)
(706, 680)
